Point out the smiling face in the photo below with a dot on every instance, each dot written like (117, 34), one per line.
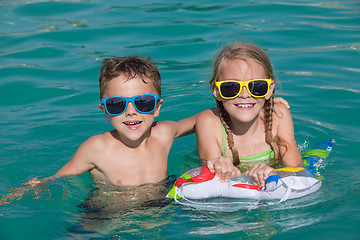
(131, 125)
(243, 108)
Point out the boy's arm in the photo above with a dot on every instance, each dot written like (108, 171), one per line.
(19, 193)
(82, 159)
(277, 102)
(80, 163)
(185, 126)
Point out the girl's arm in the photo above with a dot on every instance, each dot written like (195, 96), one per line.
(209, 142)
(291, 156)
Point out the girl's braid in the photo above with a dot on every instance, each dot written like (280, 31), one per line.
(225, 120)
(268, 110)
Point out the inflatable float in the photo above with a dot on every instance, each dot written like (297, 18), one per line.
(282, 184)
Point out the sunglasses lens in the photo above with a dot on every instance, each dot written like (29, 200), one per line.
(145, 104)
(258, 87)
(229, 89)
(115, 105)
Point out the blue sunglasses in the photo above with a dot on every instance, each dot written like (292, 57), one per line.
(117, 105)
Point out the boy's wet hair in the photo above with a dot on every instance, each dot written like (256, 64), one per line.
(130, 67)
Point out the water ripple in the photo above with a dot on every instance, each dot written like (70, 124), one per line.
(50, 55)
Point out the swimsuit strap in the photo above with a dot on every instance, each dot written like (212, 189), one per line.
(269, 153)
(223, 140)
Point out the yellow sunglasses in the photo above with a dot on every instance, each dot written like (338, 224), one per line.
(230, 89)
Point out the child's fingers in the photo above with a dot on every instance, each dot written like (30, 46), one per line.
(210, 165)
(216, 165)
(277, 109)
(281, 100)
(253, 169)
(258, 173)
(252, 173)
(263, 175)
(267, 173)
(279, 114)
(221, 170)
(227, 168)
(286, 104)
(236, 172)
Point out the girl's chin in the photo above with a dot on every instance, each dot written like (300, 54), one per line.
(245, 116)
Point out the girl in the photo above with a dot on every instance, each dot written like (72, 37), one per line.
(243, 126)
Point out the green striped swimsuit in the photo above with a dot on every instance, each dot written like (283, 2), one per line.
(247, 162)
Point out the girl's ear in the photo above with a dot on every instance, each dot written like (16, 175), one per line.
(102, 107)
(216, 94)
(271, 90)
(158, 106)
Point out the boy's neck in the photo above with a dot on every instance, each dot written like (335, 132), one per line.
(128, 142)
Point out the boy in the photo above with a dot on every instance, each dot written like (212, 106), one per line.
(136, 151)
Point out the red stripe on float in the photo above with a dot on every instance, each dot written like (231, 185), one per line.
(205, 176)
(247, 186)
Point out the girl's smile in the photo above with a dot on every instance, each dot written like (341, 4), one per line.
(244, 107)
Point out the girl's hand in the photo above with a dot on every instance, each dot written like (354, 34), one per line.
(276, 108)
(224, 168)
(258, 173)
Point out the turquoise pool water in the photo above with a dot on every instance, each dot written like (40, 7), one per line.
(50, 55)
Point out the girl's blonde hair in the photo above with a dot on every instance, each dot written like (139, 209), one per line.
(245, 52)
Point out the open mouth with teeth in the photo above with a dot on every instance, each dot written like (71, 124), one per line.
(245, 106)
(133, 125)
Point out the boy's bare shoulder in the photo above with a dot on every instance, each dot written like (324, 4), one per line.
(164, 128)
(97, 142)
(86, 156)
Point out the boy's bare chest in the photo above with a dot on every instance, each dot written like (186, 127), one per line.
(124, 166)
